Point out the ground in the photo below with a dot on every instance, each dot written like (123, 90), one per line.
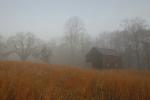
(32, 81)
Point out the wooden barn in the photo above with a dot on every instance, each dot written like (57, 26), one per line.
(103, 58)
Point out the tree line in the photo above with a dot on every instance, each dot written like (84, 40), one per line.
(132, 42)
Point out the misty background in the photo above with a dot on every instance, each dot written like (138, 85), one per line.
(46, 18)
(63, 31)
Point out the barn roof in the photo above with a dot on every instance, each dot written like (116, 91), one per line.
(106, 51)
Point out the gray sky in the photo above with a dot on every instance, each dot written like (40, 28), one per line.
(46, 18)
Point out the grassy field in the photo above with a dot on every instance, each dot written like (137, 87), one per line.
(30, 81)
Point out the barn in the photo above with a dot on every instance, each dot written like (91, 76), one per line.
(103, 58)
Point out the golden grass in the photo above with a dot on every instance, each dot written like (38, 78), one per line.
(30, 81)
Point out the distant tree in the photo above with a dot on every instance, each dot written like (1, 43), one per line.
(129, 41)
(136, 32)
(120, 42)
(85, 43)
(1, 44)
(74, 30)
(3, 48)
(46, 54)
(23, 44)
(103, 40)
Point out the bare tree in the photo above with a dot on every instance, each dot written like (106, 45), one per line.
(136, 30)
(85, 43)
(45, 53)
(120, 42)
(4, 52)
(74, 29)
(102, 40)
(131, 41)
(23, 44)
(1, 44)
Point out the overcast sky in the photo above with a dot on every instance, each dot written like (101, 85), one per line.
(46, 18)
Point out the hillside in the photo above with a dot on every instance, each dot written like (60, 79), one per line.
(31, 81)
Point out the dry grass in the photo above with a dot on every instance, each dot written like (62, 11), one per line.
(29, 81)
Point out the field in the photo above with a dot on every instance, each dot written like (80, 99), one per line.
(31, 81)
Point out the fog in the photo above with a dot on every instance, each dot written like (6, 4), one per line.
(64, 32)
(46, 18)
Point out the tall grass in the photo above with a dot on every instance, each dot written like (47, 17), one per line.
(30, 81)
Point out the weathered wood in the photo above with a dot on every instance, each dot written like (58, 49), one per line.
(103, 58)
